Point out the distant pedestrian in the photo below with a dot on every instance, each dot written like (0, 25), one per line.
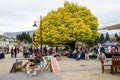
(12, 51)
(25, 51)
(45, 51)
(7, 49)
(30, 51)
(15, 52)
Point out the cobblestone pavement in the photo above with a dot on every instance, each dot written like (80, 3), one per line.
(70, 69)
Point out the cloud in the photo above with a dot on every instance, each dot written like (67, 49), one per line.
(20, 14)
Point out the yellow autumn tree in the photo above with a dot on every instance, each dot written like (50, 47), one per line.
(67, 24)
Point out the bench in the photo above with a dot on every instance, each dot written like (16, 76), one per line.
(115, 63)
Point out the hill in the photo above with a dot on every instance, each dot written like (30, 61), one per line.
(13, 34)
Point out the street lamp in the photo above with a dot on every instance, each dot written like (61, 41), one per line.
(40, 24)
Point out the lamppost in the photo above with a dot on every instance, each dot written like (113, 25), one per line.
(40, 25)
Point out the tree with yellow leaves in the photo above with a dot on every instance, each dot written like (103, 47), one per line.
(68, 24)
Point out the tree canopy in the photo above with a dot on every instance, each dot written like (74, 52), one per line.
(117, 37)
(107, 38)
(68, 23)
(24, 37)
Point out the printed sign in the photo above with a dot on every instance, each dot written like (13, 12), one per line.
(54, 65)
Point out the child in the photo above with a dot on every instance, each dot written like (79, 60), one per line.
(31, 68)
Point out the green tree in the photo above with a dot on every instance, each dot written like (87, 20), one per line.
(69, 24)
(101, 38)
(107, 38)
(1, 36)
(28, 38)
(116, 36)
(25, 37)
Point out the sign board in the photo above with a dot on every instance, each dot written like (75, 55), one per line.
(54, 65)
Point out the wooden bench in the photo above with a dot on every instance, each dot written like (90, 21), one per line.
(115, 63)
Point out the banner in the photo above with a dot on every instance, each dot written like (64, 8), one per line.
(54, 65)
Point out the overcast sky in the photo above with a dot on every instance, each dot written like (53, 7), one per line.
(19, 15)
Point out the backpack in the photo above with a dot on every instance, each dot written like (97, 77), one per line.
(37, 59)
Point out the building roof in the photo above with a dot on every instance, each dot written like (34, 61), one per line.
(112, 27)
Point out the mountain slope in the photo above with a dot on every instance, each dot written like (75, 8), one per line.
(13, 34)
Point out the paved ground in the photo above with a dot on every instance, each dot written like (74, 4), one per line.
(70, 69)
(6, 64)
(84, 70)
